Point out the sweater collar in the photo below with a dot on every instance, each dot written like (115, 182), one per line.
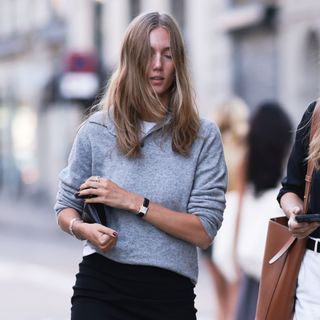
(108, 122)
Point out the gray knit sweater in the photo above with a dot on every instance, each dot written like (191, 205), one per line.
(194, 184)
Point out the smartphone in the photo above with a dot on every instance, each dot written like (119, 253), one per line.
(311, 217)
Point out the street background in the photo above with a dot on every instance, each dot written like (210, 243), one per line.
(55, 59)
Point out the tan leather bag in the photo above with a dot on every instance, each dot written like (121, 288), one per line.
(282, 259)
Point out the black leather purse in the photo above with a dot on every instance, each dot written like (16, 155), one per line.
(94, 213)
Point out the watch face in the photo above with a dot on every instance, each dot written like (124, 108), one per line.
(143, 210)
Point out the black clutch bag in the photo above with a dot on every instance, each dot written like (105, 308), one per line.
(94, 213)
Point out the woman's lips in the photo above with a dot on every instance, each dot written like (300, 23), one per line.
(156, 80)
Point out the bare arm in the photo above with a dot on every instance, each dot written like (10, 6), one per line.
(292, 205)
(181, 225)
(102, 237)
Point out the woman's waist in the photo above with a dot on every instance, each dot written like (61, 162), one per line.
(180, 258)
(316, 233)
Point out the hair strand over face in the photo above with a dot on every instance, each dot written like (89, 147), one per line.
(131, 96)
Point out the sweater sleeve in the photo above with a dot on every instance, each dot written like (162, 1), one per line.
(76, 172)
(297, 163)
(207, 198)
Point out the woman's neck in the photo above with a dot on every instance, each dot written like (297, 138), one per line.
(151, 117)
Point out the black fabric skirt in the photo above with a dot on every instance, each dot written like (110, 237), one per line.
(108, 290)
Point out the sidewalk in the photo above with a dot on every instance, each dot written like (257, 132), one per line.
(30, 240)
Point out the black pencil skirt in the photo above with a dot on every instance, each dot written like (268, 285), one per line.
(108, 290)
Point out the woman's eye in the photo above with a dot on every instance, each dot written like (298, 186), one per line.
(168, 56)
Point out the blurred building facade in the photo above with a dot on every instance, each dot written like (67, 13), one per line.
(56, 55)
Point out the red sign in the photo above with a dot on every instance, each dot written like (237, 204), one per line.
(81, 62)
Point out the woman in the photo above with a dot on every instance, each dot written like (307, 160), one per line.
(268, 142)
(307, 304)
(232, 117)
(160, 174)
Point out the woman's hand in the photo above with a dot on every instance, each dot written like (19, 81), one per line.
(300, 229)
(100, 236)
(105, 191)
(292, 205)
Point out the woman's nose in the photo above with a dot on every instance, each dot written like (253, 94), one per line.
(157, 61)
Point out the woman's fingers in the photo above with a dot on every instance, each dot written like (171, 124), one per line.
(90, 185)
(108, 245)
(296, 210)
(107, 238)
(107, 242)
(102, 237)
(301, 229)
(96, 188)
(107, 192)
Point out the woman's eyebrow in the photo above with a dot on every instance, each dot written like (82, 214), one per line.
(164, 49)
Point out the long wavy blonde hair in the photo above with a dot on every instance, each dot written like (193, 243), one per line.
(130, 95)
(314, 146)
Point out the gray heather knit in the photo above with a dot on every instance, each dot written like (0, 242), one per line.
(195, 184)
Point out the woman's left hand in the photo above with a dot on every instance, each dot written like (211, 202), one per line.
(105, 191)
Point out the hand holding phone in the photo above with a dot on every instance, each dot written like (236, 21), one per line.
(311, 217)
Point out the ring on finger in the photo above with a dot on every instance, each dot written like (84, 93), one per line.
(96, 179)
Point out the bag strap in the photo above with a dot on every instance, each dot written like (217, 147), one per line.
(315, 123)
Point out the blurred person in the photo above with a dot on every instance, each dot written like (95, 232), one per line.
(232, 117)
(307, 300)
(159, 173)
(268, 142)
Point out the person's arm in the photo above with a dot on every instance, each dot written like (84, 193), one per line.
(292, 191)
(294, 182)
(102, 237)
(291, 204)
(178, 224)
(205, 209)
(68, 206)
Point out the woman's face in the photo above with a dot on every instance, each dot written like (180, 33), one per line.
(161, 68)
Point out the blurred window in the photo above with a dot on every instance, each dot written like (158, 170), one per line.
(178, 11)
(310, 69)
(240, 2)
(7, 17)
(23, 9)
(59, 8)
(15, 16)
(3, 118)
(135, 7)
(24, 138)
(2, 18)
(41, 11)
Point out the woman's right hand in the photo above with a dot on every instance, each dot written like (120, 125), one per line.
(102, 237)
(300, 229)
(292, 205)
